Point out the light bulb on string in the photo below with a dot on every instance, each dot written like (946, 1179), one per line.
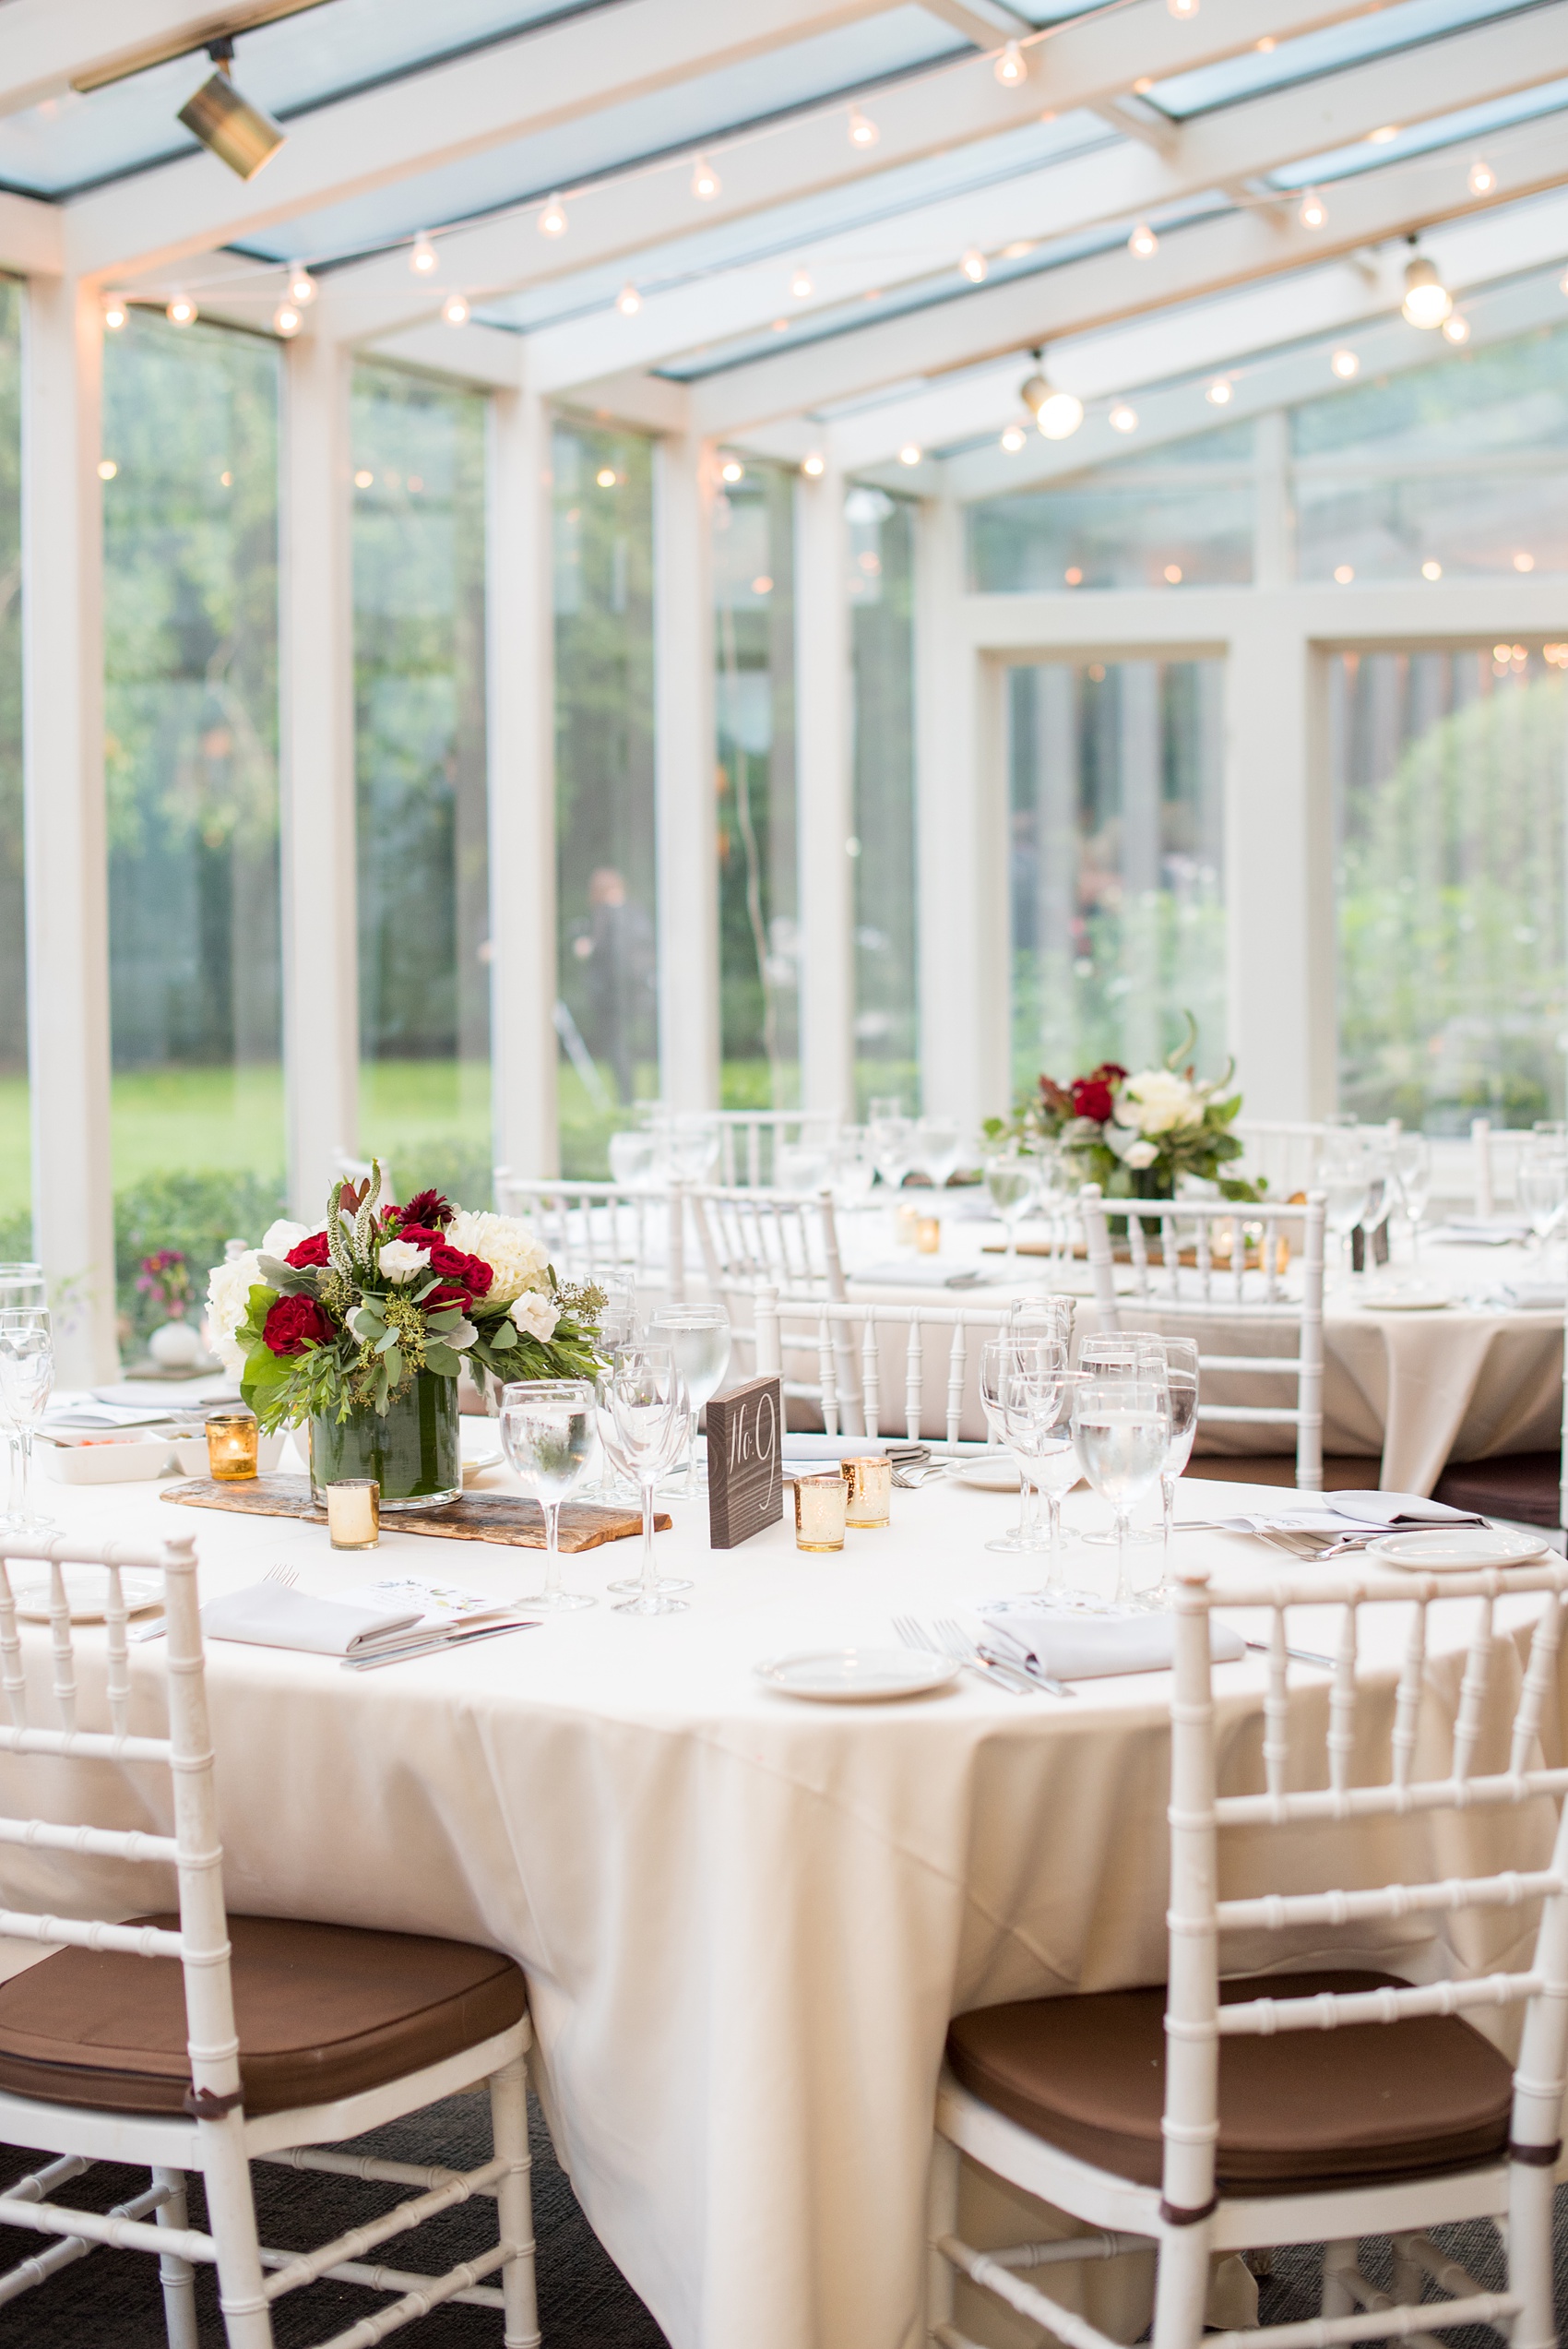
(732, 470)
(1143, 243)
(800, 284)
(454, 310)
(1123, 419)
(181, 311)
(1345, 364)
(910, 453)
(422, 260)
(287, 320)
(973, 265)
(705, 180)
(863, 132)
(1218, 392)
(813, 466)
(1182, 7)
(302, 286)
(1427, 299)
(1456, 329)
(116, 311)
(1010, 67)
(1013, 439)
(1314, 214)
(1480, 179)
(552, 219)
(628, 301)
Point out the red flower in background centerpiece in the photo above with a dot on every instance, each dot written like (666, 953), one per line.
(296, 1323)
(311, 1250)
(1093, 1095)
(471, 1272)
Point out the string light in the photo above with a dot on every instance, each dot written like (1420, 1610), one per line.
(1143, 242)
(1432, 570)
(1173, 579)
(1182, 7)
(1383, 134)
(732, 471)
(800, 284)
(302, 286)
(1219, 393)
(1345, 364)
(1013, 439)
(606, 477)
(287, 320)
(1010, 67)
(1314, 211)
(705, 180)
(863, 132)
(628, 301)
(1456, 329)
(115, 312)
(107, 468)
(454, 310)
(1524, 561)
(910, 454)
(1123, 419)
(1343, 574)
(973, 265)
(552, 219)
(1427, 299)
(422, 260)
(182, 310)
(1481, 178)
(813, 466)
(1266, 46)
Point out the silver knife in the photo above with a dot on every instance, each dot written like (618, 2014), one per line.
(442, 1642)
(1025, 1670)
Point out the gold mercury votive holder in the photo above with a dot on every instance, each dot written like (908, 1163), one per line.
(354, 1513)
(928, 1234)
(232, 1441)
(819, 1512)
(868, 1488)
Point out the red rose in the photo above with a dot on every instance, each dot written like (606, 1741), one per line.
(1092, 1098)
(419, 1236)
(475, 1275)
(309, 1250)
(441, 1300)
(296, 1323)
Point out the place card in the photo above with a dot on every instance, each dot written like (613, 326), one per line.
(745, 1488)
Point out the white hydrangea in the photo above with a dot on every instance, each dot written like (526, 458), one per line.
(229, 1288)
(535, 1316)
(1158, 1102)
(507, 1245)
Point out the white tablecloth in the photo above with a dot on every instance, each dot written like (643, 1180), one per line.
(745, 1921)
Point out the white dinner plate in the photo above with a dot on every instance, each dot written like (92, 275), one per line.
(990, 1475)
(1455, 1549)
(857, 1676)
(1408, 1301)
(86, 1588)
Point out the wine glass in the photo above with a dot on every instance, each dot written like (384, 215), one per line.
(1181, 1385)
(1122, 1434)
(617, 1316)
(1137, 1354)
(27, 1379)
(691, 1146)
(1041, 1317)
(892, 1137)
(1543, 1189)
(23, 1289)
(1342, 1177)
(620, 1467)
(1054, 1187)
(1412, 1169)
(651, 1409)
(1037, 1404)
(698, 1339)
(936, 1147)
(1010, 1180)
(632, 1157)
(548, 1433)
(998, 1357)
(853, 1168)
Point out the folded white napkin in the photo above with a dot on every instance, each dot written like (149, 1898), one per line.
(1535, 1296)
(1348, 1514)
(269, 1616)
(1098, 1647)
(922, 1273)
(1479, 1232)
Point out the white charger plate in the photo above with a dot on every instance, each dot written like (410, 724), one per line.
(86, 1590)
(1455, 1549)
(988, 1476)
(857, 1676)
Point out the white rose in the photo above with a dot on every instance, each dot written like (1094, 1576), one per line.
(535, 1316)
(281, 1237)
(401, 1259)
(507, 1245)
(228, 1290)
(1140, 1154)
(1156, 1102)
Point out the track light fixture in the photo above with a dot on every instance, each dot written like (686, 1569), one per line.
(1143, 243)
(973, 265)
(1481, 179)
(239, 134)
(628, 301)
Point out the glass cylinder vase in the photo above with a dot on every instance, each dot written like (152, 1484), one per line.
(412, 1452)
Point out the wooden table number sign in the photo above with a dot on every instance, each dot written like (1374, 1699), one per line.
(745, 1488)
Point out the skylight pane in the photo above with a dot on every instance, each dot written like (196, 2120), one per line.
(1315, 53)
(1444, 130)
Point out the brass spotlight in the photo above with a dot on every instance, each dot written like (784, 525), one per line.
(237, 133)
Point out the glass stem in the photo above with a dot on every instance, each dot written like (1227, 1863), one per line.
(14, 1447)
(24, 1471)
(1012, 1258)
(1168, 1494)
(1123, 1593)
(552, 1549)
(651, 1579)
(1053, 1579)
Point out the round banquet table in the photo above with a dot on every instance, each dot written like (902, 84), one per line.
(746, 1920)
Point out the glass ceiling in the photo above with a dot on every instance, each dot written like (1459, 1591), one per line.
(1328, 50)
(1444, 130)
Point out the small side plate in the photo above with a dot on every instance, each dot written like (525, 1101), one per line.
(87, 1589)
(990, 1475)
(857, 1676)
(1455, 1549)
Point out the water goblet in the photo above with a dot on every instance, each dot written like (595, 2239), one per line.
(892, 1140)
(23, 1289)
(936, 1149)
(1010, 1179)
(1125, 1353)
(698, 1339)
(620, 1469)
(1412, 1170)
(549, 1436)
(1181, 1385)
(1341, 1176)
(1543, 1189)
(1037, 1407)
(27, 1379)
(998, 1357)
(650, 1407)
(1041, 1317)
(1122, 1434)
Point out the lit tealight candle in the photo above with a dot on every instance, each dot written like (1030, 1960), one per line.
(819, 1512)
(231, 1438)
(906, 1227)
(928, 1234)
(868, 1489)
(354, 1513)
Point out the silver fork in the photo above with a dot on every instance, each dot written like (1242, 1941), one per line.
(965, 1654)
(285, 1576)
(957, 1643)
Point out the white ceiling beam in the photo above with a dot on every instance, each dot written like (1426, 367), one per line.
(927, 115)
(554, 75)
(1231, 148)
(47, 46)
(981, 21)
(645, 403)
(468, 355)
(32, 238)
(1206, 259)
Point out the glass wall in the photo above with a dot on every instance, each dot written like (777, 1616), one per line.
(1449, 774)
(1180, 518)
(1116, 864)
(190, 538)
(881, 551)
(16, 1227)
(758, 913)
(419, 755)
(607, 1015)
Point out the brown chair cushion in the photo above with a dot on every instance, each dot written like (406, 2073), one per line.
(1523, 1485)
(323, 2012)
(1303, 2110)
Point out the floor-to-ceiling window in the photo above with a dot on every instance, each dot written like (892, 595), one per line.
(880, 539)
(758, 878)
(419, 453)
(1115, 864)
(16, 1228)
(606, 914)
(190, 542)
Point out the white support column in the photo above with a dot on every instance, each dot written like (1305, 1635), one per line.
(520, 670)
(687, 767)
(825, 796)
(321, 1044)
(960, 753)
(1274, 531)
(66, 852)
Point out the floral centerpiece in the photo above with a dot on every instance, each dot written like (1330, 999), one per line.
(360, 1329)
(1137, 1135)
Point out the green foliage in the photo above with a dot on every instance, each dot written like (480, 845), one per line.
(194, 1212)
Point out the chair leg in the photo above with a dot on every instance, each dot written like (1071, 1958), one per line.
(1181, 2291)
(1409, 2276)
(513, 2204)
(1530, 2199)
(177, 2275)
(941, 2219)
(1338, 2300)
(231, 2211)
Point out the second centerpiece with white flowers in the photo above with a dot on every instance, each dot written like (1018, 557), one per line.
(360, 1330)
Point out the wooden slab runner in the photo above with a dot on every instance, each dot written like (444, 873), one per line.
(477, 1516)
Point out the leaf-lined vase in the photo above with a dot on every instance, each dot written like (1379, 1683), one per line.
(413, 1451)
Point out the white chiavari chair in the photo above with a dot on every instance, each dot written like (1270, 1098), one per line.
(1281, 1151)
(1495, 1152)
(592, 1228)
(1273, 2107)
(927, 1380)
(787, 1240)
(750, 1140)
(1221, 1287)
(108, 2053)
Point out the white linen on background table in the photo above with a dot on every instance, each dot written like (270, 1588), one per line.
(745, 1921)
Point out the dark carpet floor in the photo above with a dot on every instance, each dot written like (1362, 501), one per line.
(112, 2300)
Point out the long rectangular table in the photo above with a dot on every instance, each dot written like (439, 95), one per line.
(745, 1921)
